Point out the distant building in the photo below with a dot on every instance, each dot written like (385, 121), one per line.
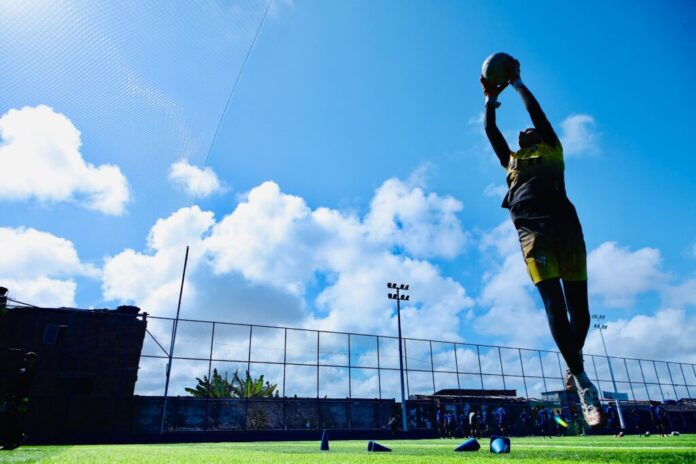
(466, 393)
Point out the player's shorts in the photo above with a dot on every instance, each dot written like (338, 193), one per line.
(553, 246)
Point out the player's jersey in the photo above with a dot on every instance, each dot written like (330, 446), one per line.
(536, 172)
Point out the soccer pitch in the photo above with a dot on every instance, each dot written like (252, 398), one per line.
(564, 450)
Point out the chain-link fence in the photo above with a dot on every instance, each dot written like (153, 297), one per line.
(324, 379)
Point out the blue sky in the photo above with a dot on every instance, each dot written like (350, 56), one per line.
(352, 153)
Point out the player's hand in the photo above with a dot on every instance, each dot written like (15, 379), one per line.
(514, 71)
(491, 90)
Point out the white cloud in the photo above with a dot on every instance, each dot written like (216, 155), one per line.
(42, 291)
(617, 275)
(194, 180)
(260, 260)
(41, 158)
(513, 310)
(425, 225)
(681, 295)
(669, 334)
(495, 191)
(38, 267)
(269, 238)
(579, 135)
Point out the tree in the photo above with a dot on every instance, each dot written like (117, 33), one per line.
(251, 388)
(214, 387)
(218, 386)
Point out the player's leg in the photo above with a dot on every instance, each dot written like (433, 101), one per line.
(578, 310)
(557, 315)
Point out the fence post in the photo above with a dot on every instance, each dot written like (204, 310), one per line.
(676, 397)
(686, 385)
(642, 374)
(630, 383)
(350, 372)
(319, 416)
(210, 362)
(432, 365)
(483, 390)
(502, 369)
(379, 385)
(456, 368)
(659, 384)
(379, 376)
(543, 376)
(247, 378)
(524, 378)
(285, 365)
(599, 384)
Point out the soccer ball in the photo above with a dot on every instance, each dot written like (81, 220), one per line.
(497, 68)
(647, 434)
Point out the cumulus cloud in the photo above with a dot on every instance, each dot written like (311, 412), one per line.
(512, 310)
(617, 275)
(425, 225)
(680, 295)
(41, 158)
(495, 191)
(39, 268)
(579, 135)
(194, 180)
(669, 334)
(274, 244)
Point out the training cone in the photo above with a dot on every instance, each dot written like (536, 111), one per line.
(470, 445)
(373, 446)
(500, 444)
(325, 441)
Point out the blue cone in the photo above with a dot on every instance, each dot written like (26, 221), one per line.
(325, 441)
(470, 445)
(500, 444)
(376, 447)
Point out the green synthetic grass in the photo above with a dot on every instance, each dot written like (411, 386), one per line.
(590, 450)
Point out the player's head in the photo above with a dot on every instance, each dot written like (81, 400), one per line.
(529, 137)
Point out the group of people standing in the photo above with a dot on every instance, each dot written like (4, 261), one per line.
(471, 422)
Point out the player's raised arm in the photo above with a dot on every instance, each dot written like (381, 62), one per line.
(500, 145)
(539, 119)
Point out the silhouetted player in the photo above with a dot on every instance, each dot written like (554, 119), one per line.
(549, 232)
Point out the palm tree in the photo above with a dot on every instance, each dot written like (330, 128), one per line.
(248, 387)
(214, 387)
(218, 386)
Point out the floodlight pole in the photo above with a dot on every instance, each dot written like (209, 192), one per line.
(399, 297)
(601, 326)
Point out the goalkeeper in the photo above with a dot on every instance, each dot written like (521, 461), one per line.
(549, 232)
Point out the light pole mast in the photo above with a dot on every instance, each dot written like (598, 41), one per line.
(399, 298)
(601, 326)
